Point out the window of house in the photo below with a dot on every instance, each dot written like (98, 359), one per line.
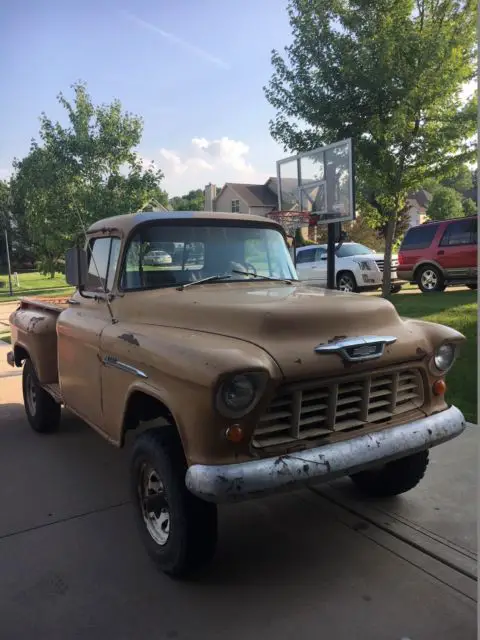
(419, 237)
(458, 233)
(235, 206)
(103, 256)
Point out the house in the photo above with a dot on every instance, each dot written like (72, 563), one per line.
(417, 203)
(256, 199)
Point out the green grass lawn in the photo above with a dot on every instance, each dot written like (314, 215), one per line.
(456, 309)
(33, 284)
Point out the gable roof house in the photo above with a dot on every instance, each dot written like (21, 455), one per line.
(255, 199)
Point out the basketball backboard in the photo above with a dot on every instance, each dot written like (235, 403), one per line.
(319, 182)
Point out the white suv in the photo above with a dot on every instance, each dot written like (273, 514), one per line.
(357, 268)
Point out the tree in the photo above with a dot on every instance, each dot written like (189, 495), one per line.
(469, 207)
(193, 201)
(461, 180)
(389, 75)
(445, 203)
(80, 173)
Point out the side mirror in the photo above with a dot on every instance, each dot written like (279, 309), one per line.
(76, 267)
(323, 256)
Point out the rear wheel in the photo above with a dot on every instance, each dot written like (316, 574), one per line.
(346, 282)
(178, 529)
(430, 279)
(42, 411)
(394, 477)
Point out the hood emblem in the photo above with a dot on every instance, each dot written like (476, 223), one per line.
(357, 349)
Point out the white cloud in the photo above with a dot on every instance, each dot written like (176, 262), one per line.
(5, 174)
(204, 161)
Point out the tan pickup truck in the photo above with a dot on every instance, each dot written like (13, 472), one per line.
(191, 331)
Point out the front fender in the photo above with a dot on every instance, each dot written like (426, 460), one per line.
(179, 368)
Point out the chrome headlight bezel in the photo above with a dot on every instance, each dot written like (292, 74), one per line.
(256, 380)
(444, 358)
(367, 265)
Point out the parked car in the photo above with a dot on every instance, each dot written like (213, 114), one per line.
(357, 268)
(234, 379)
(435, 255)
(157, 258)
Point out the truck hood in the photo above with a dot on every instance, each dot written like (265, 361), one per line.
(287, 321)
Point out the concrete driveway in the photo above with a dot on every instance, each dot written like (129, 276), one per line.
(316, 565)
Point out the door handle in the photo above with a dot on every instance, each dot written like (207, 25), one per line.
(440, 253)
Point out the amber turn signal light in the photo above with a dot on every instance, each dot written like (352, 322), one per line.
(439, 387)
(234, 433)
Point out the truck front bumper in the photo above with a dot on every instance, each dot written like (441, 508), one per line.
(246, 480)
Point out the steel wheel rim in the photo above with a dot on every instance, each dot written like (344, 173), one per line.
(345, 284)
(31, 395)
(429, 279)
(154, 505)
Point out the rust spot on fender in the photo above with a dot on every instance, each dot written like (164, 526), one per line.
(130, 338)
(32, 324)
(421, 352)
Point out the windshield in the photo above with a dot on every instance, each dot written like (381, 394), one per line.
(352, 249)
(163, 255)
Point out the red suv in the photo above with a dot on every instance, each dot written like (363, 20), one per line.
(437, 254)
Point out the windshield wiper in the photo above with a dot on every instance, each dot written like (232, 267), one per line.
(256, 275)
(215, 278)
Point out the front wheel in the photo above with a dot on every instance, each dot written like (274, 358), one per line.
(42, 411)
(178, 529)
(430, 279)
(393, 478)
(346, 282)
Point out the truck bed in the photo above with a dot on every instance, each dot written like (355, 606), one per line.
(34, 334)
(51, 303)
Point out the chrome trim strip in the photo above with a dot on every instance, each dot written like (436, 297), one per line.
(343, 346)
(255, 478)
(111, 361)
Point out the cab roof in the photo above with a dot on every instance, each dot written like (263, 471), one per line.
(125, 223)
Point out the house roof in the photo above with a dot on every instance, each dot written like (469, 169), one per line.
(255, 195)
(422, 197)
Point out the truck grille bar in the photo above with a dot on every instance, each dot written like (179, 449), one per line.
(304, 412)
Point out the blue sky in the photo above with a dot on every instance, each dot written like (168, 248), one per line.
(194, 69)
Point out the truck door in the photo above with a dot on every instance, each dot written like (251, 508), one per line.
(79, 331)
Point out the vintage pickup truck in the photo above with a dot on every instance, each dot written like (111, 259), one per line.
(236, 379)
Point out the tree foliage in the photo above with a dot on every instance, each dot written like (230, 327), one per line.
(389, 75)
(445, 203)
(192, 201)
(80, 173)
(469, 207)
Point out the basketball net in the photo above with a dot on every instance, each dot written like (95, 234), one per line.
(293, 220)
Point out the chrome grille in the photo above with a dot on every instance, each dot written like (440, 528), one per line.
(307, 411)
(381, 263)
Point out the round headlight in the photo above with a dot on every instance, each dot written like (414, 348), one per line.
(444, 357)
(238, 395)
